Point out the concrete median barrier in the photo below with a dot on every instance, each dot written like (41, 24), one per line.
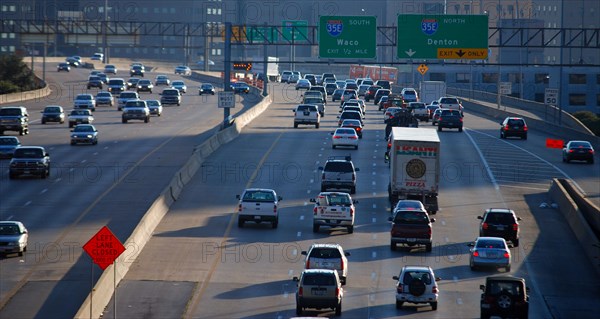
(103, 289)
(577, 222)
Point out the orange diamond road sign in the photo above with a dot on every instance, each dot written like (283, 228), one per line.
(551, 143)
(422, 69)
(104, 248)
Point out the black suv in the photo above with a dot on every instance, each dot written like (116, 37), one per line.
(339, 173)
(94, 82)
(500, 222)
(504, 296)
(450, 119)
(170, 96)
(27, 160)
(513, 126)
(14, 118)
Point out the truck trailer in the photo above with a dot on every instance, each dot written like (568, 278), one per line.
(430, 91)
(414, 159)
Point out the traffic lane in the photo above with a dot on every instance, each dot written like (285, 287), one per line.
(585, 175)
(127, 151)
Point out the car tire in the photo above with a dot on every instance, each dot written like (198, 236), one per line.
(434, 305)
(44, 175)
(501, 135)
(392, 246)
(338, 309)
(20, 254)
(428, 248)
(353, 190)
(439, 128)
(12, 175)
(72, 142)
(507, 268)
(298, 309)
(399, 304)
(147, 119)
(516, 242)
(317, 125)
(315, 228)
(350, 229)
(295, 125)
(460, 129)
(124, 121)
(484, 316)
(591, 161)
(240, 222)
(356, 147)
(333, 146)
(524, 137)
(43, 121)
(275, 223)
(22, 132)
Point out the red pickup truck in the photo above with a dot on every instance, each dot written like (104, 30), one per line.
(411, 225)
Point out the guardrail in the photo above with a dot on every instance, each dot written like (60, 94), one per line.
(103, 289)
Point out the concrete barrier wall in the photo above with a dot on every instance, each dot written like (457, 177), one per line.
(28, 95)
(590, 212)
(584, 234)
(103, 289)
(533, 123)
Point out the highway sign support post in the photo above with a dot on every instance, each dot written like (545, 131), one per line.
(294, 31)
(551, 99)
(442, 36)
(227, 73)
(347, 37)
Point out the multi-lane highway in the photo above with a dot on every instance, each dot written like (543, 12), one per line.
(198, 264)
(112, 183)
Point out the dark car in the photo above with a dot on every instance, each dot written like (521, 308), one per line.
(240, 87)
(500, 222)
(116, 85)
(411, 225)
(380, 93)
(137, 70)
(578, 151)
(8, 144)
(504, 296)
(132, 83)
(311, 78)
(63, 66)
(513, 126)
(94, 82)
(29, 160)
(432, 108)
(53, 113)
(206, 88)
(355, 124)
(14, 118)
(337, 95)
(330, 88)
(450, 119)
(354, 115)
(370, 94)
(170, 96)
(144, 85)
(384, 84)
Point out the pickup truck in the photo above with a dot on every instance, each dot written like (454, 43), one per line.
(419, 110)
(333, 209)
(29, 160)
(258, 205)
(450, 103)
(411, 225)
(307, 114)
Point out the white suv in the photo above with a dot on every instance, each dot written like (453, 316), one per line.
(417, 284)
(328, 256)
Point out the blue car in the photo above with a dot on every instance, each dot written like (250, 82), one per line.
(240, 87)
(8, 144)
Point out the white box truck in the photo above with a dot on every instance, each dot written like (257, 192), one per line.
(430, 91)
(414, 159)
(272, 68)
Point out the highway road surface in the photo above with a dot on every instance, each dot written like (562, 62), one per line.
(199, 264)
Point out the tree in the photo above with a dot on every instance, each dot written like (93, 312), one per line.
(15, 75)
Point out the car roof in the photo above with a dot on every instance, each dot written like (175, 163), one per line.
(505, 278)
(320, 245)
(491, 238)
(256, 189)
(417, 268)
(319, 271)
(500, 210)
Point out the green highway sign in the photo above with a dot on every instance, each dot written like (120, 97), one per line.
(442, 36)
(351, 37)
(296, 30)
(258, 34)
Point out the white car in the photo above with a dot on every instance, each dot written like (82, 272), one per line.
(344, 137)
(98, 57)
(418, 285)
(13, 236)
(303, 84)
(182, 69)
(328, 256)
(155, 107)
(110, 68)
(85, 101)
(180, 85)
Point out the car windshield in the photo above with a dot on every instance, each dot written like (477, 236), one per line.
(175, 83)
(515, 122)
(170, 92)
(318, 280)
(52, 110)
(206, 86)
(152, 103)
(351, 123)
(8, 141)
(83, 128)
(103, 94)
(488, 243)
(23, 152)
(84, 97)
(258, 196)
(79, 112)
(449, 101)
(411, 217)
(8, 229)
(313, 100)
(144, 82)
(128, 95)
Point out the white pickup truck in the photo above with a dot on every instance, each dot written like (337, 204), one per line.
(258, 205)
(333, 209)
(419, 110)
(451, 103)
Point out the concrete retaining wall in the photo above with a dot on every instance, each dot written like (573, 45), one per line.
(573, 215)
(27, 95)
(103, 290)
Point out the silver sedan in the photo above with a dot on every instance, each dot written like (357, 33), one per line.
(155, 107)
(344, 137)
(491, 252)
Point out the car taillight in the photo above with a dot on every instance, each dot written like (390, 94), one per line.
(240, 208)
(485, 226)
(591, 151)
(506, 127)
(307, 264)
(358, 129)
(399, 288)
(353, 177)
(351, 211)
(525, 128)
(342, 264)
(389, 145)
(571, 151)
(337, 291)
(274, 209)
(506, 254)
(315, 211)
(461, 119)
(353, 137)
(337, 137)
(476, 254)
(489, 299)
(515, 227)
(434, 290)
(300, 292)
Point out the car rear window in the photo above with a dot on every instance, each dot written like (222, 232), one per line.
(515, 122)
(318, 280)
(411, 217)
(325, 253)
(497, 287)
(258, 196)
(499, 218)
(409, 276)
(334, 199)
(128, 95)
(344, 167)
(450, 113)
(490, 244)
(449, 100)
